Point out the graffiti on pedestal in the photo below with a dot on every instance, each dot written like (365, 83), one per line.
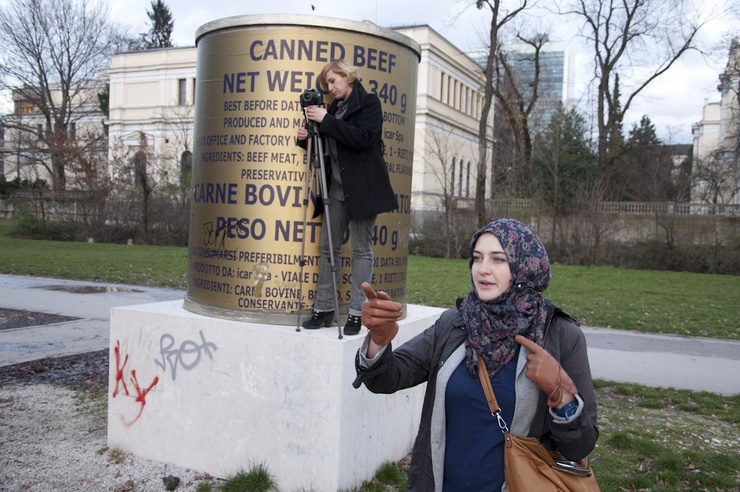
(140, 396)
(173, 356)
(187, 355)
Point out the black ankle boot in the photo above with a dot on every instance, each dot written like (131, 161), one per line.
(353, 325)
(319, 320)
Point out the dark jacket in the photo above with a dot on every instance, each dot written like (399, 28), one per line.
(358, 135)
(420, 359)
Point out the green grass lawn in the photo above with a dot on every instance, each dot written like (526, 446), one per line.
(643, 300)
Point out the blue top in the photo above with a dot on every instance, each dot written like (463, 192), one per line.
(474, 453)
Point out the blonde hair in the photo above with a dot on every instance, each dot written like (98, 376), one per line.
(339, 67)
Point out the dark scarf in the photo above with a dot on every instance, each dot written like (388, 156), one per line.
(492, 325)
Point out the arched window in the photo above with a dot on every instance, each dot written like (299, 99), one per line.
(186, 168)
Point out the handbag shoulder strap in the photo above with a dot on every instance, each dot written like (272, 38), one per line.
(485, 381)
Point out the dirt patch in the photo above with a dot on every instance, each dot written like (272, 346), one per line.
(15, 318)
(83, 372)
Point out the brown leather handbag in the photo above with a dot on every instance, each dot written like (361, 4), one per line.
(528, 466)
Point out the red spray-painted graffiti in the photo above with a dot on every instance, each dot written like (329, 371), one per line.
(141, 394)
(119, 369)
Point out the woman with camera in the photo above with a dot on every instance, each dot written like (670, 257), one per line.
(359, 187)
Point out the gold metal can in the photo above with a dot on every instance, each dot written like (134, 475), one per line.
(253, 245)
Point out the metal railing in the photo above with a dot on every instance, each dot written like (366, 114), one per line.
(627, 208)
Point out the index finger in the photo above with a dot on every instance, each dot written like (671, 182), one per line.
(371, 293)
(529, 344)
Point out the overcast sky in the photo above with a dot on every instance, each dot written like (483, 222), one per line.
(673, 103)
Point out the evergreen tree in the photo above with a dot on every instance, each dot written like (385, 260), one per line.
(615, 137)
(649, 164)
(562, 161)
(160, 35)
(616, 173)
(643, 134)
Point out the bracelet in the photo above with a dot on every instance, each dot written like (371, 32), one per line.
(568, 410)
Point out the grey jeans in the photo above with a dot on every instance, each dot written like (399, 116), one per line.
(360, 233)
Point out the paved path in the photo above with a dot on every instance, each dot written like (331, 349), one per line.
(699, 364)
(88, 301)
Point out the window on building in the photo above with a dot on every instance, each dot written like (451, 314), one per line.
(186, 168)
(193, 91)
(40, 131)
(140, 169)
(182, 94)
(442, 87)
(452, 178)
(460, 179)
(467, 180)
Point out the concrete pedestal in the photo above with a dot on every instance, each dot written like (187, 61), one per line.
(219, 395)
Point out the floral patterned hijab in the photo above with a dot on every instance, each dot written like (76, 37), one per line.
(492, 325)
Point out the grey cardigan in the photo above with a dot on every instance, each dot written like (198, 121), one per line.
(434, 354)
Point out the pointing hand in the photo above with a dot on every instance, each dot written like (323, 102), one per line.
(380, 315)
(544, 371)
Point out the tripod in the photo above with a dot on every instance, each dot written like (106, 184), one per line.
(314, 153)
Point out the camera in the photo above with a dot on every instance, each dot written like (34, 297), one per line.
(311, 97)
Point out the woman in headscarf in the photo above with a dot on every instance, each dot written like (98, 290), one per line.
(547, 394)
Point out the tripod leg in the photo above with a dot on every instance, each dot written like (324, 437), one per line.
(302, 261)
(327, 221)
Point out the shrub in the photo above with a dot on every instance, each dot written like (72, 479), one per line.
(29, 226)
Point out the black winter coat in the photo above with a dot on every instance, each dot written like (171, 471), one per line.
(358, 135)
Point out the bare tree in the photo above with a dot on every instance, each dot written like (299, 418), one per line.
(730, 88)
(641, 39)
(594, 224)
(716, 178)
(716, 174)
(149, 199)
(179, 120)
(517, 93)
(499, 18)
(175, 194)
(443, 151)
(89, 181)
(52, 52)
